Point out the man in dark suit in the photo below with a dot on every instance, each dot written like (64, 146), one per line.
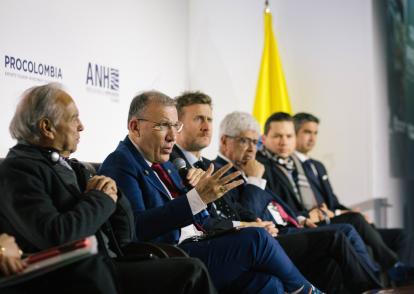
(286, 178)
(48, 200)
(310, 251)
(165, 212)
(307, 129)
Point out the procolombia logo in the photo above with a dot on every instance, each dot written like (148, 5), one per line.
(20, 67)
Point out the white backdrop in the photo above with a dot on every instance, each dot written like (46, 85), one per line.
(330, 49)
(331, 52)
(145, 40)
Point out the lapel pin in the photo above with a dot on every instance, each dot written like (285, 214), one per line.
(169, 171)
(146, 172)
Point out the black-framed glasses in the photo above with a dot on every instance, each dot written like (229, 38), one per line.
(244, 141)
(165, 126)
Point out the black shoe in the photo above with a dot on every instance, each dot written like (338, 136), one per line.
(401, 273)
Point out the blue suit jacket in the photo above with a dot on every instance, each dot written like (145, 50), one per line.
(253, 198)
(157, 217)
(322, 187)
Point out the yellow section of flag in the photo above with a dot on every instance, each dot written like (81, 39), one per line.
(271, 93)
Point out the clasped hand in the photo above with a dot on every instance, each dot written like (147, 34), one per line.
(104, 184)
(10, 261)
(267, 225)
(253, 168)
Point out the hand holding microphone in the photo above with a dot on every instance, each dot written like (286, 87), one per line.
(190, 176)
(209, 186)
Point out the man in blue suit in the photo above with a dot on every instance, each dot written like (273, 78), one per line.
(248, 260)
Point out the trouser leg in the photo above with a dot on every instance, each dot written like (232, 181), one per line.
(356, 241)
(330, 244)
(255, 282)
(384, 255)
(310, 253)
(400, 242)
(249, 250)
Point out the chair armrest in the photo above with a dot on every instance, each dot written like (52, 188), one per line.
(158, 250)
(378, 206)
(173, 251)
(143, 248)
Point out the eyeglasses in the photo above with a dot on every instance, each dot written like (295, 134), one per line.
(244, 141)
(165, 126)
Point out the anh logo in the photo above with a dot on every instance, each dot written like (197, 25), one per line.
(102, 76)
(17, 64)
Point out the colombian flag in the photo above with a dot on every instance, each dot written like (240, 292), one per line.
(271, 93)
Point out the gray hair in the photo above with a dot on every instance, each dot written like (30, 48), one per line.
(141, 101)
(36, 103)
(236, 122)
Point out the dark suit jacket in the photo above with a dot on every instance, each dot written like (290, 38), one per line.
(157, 217)
(42, 207)
(279, 185)
(323, 187)
(249, 201)
(177, 153)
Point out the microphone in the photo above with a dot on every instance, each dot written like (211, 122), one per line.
(182, 168)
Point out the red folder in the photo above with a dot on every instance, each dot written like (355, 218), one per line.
(52, 259)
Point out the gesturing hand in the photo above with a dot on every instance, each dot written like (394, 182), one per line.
(194, 175)
(104, 184)
(211, 186)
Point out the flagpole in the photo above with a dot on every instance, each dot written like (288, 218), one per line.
(271, 90)
(267, 8)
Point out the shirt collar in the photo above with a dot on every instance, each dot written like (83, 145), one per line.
(302, 157)
(191, 158)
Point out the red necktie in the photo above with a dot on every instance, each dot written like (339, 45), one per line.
(286, 217)
(165, 178)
